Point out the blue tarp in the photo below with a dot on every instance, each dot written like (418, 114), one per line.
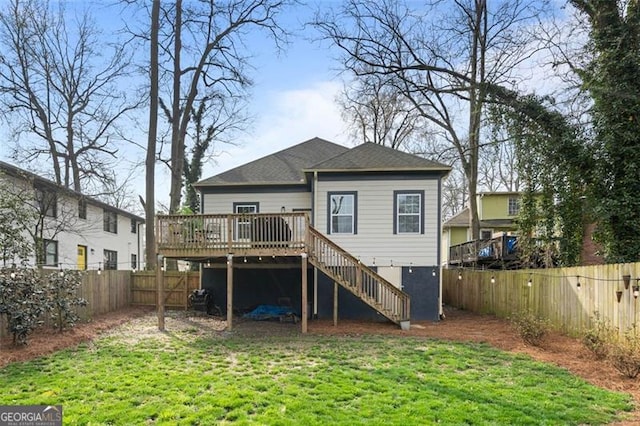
(265, 312)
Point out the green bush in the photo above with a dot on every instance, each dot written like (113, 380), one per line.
(531, 328)
(61, 288)
(23, 300)
(625, 353)
(599, 337)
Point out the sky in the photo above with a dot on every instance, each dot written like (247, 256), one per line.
(292, 100)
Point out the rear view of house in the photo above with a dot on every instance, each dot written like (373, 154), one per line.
(367, 219)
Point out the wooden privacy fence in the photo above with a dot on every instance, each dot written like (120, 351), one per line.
(177, 287)
(110, 291)
(104, 292)
(568, 297)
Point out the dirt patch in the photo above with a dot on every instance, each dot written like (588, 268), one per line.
(140, 323)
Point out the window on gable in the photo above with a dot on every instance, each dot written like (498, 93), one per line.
(110, 221)
(50, 252)
(110, 260)
(409, 212)
(243, 225)
(82, 208)
(342, 213)
(47, 202)
(514, 206)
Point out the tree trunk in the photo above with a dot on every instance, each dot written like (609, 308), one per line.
(177, 141)
(149, 210)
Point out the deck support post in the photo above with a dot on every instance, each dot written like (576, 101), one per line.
(335, 304)
(229, 292)
(160, 291)
(305, 296)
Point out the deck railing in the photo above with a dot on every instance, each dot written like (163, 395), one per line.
(363, 282)
(502, 248)
(229, 233)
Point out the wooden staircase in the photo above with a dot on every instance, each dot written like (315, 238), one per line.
(363, 282)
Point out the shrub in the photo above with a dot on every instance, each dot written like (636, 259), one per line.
(531, 328)
(599, 337)
(625, 353)
(61, 290)
(23, 300)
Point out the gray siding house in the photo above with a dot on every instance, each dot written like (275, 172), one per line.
(376, 207)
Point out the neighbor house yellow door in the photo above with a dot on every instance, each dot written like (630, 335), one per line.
(82, 258)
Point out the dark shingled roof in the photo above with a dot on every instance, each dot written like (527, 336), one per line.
(370, 157)
(281, 168)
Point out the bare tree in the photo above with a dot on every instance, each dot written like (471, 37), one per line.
(59, 87)
(204, 56)
(226, 117)
(442, 59)
(377, 113)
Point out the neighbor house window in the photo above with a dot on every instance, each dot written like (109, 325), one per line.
(134, 226)
(50, 253)
(514, 206)
(110, 221)
(243, 225)
(342, 212)
(47, 202)
(82, 208)
(409, 212)
(110, 259)
(134, 261)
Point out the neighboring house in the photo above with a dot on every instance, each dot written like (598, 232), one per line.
(77, 232)
(496, 211)
(368, 206)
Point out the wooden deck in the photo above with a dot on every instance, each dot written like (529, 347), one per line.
(202, 237)
(210, 238)
(497, 252)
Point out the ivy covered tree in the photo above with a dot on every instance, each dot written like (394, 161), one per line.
(552, 163)
(611, 79)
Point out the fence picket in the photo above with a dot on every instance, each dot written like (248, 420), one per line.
(554, 294)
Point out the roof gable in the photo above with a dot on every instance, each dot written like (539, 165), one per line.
(374, 157)
(282, 167)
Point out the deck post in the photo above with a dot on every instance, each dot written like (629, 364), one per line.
(229, 292)
(160, 291)
(304, 292)
(335, 304)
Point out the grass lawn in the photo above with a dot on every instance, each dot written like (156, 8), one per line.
(186, 378)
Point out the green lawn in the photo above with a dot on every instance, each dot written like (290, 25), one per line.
(185, 378)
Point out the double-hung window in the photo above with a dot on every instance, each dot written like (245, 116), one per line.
(50, 252)
(514, 206)
(110, 260)
(110, 221)
(82, 208)
(243, 224)
(409, 212)
(47, 202)
(342, 212)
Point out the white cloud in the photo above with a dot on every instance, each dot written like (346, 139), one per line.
(286, 118)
